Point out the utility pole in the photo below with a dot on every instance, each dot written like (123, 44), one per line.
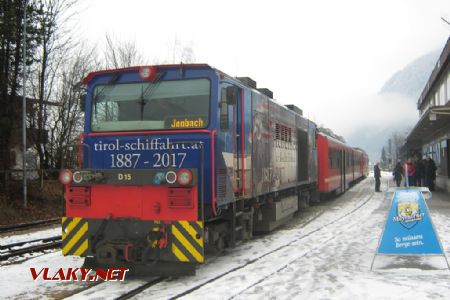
(24, 106)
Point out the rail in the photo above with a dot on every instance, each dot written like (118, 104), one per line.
(24, 247)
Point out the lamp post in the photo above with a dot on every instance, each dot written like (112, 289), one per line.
(24, 106)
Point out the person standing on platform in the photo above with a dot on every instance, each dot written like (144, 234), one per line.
(409, 167)
(430, 173)
(377, 175)
(398, 173)
(419, 171)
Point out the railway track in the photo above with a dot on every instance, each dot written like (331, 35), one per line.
(31, 246)
(258, 258)
(132, 288)
(141, 288)
(358, 193)
(25, 226)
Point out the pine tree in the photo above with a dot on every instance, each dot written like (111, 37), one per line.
(11, 66)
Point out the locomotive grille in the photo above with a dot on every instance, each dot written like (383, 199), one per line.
(221, 182)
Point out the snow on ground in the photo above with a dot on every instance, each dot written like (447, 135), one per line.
(17, 282)
(11, 237)
(331, 263)
(325, 253)
(30, 235)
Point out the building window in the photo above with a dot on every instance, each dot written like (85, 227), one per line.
(437, 151)
(442, 94)
(448, 87)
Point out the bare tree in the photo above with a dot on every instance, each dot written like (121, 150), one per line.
(391, 151)
(54, 46)
(398, 140)
(66, 120)
(181, 52)
(177, 52)
(121, 54)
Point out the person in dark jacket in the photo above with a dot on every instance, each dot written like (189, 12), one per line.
(398, 174)
(430, 173)
(419, 173)
(377, 175)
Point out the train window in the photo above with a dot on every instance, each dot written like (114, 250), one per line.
(178, 104)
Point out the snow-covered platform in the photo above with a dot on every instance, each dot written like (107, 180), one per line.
(326, 252)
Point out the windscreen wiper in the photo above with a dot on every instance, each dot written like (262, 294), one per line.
(115, 77)
(149, 91)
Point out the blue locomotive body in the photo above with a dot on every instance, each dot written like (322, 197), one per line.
(192, 159)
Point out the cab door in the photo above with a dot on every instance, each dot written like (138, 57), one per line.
(230, 125)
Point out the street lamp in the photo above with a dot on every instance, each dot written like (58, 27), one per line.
(24, 106)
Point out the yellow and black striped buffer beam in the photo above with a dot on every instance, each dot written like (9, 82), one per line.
(187, 241)
(74, 236)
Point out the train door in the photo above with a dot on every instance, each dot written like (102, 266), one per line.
(239, 218)
(232, 120)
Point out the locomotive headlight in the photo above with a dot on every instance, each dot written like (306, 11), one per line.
(65, 176)
(77, 177)
(171, 177)
(148, 73)
(184, 177)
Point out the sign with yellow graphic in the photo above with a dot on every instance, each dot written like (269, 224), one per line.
(409, 229)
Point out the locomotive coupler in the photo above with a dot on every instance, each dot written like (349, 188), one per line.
(116, 251)
(158, 237)
(106, 254)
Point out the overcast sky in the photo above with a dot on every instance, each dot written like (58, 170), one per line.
(330, 58)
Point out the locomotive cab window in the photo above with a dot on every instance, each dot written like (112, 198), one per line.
(180, 104)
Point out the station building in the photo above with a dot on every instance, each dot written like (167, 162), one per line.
(431, 135)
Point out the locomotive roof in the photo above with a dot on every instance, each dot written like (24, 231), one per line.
(91, 75)
(136, 68)
(165, 66)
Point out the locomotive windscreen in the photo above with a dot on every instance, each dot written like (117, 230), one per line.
(178, 104)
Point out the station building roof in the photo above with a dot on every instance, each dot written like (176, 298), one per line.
(439, 69)
(432, 123)
(434, 120)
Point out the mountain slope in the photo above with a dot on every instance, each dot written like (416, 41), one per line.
(410, 81)
(407, 83)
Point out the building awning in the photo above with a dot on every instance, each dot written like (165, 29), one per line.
(430, 124)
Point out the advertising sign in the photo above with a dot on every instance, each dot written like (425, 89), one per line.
(409, 229)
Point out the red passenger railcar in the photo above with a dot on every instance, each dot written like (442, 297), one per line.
(339, 165)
